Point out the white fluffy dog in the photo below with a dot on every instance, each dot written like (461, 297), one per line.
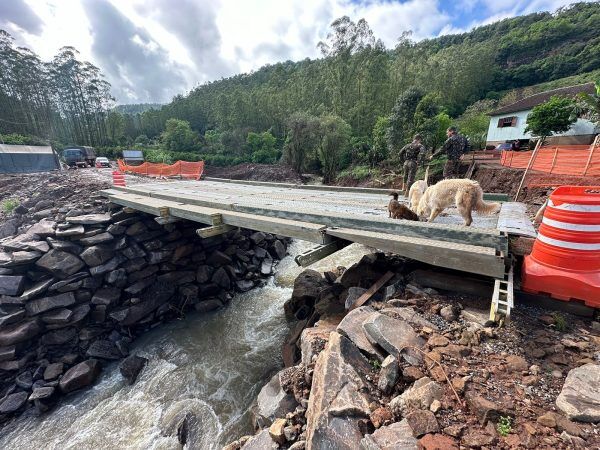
(466, 194)
(416, 192)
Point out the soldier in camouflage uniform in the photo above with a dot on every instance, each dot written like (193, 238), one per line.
(411, 156)
(454, 147)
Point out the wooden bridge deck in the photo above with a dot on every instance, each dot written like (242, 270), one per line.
(322, 215)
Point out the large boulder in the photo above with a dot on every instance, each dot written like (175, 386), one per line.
(395, 336)
(96, 255)
(60, 264)
(261, 441)
(420, 396)
(11, 284)
(13, 402)
(313, 340)
(103, 348)
(13, 334)
(44, 228)
(41, 305)
(89, 219)
(79, 376)
(338, 400)
(132, 366)
(352, 327)
(273, 402)
(580, 395)
(307, 287)
(397, 436)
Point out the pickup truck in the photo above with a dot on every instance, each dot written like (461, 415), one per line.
(79, 156)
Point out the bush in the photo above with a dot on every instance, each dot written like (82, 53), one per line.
(358, 173)
(9, 205)
(21, 139)
(266, 156)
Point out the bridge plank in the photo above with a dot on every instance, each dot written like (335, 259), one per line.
(296, 229)
(316, 187)
(464, 257)
(442, 232)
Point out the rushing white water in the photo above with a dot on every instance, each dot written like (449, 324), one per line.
(210, 366)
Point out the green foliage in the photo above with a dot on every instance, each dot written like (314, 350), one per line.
(357, 79)
(589, 105)
(115, 127)
(179, 137)
(474, 122)
(9, 205)
(301, 141)
(375, 364)
(402, 120)
(560, 323)
(262, 147)
(379, 149)
(553, 116)
(19, 139)
(358, 173)
(142, 139)
(334, 148)
(136, 108)
(504, 426)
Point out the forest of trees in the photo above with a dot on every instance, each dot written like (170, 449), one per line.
(368, 99)
(61, 101)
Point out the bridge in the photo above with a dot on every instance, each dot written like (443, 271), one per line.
(333, 217)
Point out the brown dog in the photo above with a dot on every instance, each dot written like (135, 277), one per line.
(399, 211)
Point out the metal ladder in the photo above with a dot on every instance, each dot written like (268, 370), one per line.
(503, 298)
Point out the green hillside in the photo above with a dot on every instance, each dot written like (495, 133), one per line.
(359, 80)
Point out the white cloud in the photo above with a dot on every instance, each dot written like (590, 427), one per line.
(154, 49)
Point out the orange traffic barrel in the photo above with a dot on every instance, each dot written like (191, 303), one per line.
(118, 178)
(565, 260)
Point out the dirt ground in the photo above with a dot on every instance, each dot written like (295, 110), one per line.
(255, 172)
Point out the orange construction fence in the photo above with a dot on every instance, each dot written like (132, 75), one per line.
(181, 169)
(578, 160)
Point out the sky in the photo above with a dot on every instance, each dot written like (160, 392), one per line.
(151, 50)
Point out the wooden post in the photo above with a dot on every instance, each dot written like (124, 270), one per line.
(554, 159)
(533, 155)
(592, 148)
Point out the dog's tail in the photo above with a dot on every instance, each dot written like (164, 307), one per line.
(483, 207)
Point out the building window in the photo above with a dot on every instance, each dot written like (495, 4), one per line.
(507, 122)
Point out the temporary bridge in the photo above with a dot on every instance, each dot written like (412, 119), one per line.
(333, 217)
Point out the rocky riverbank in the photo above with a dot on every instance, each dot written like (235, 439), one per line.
(80, 280)
(415, 368)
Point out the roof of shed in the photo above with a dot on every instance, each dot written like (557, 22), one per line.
(535, 99)
(31, 149)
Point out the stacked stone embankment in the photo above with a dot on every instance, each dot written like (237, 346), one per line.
(78, 285)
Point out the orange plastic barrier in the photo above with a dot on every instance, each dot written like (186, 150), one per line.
(579, 160)
(565, 259)
(182, 169)
(118, 178)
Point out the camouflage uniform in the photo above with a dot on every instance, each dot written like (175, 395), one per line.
(454, 147)
(412, 154)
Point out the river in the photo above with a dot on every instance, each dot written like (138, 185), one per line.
(211, 366)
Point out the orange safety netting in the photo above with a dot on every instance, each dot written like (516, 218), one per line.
(182, 169)
(579, 160)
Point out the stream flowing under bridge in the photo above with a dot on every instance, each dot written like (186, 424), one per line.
(333, 217)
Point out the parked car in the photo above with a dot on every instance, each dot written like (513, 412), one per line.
(102, 161)
(79, 156)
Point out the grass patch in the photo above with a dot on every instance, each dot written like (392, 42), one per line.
(9, 205)
(560, 322)
(358, 173)
(375, 364)
(504, 426)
